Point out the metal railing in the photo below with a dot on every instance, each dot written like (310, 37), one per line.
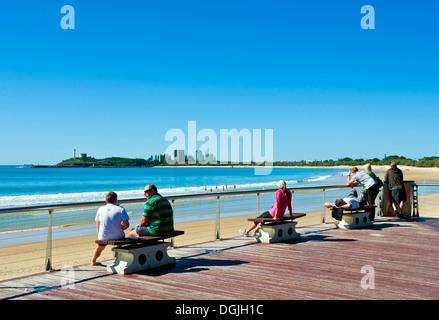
(415, 200)
(172, 199)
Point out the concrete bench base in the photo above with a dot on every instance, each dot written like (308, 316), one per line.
(130, 260)
(284, 231)
(140, 253)
(355, 220)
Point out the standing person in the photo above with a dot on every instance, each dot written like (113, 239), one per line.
(157, 219)
(395, 182)
(282, 201)
(111, 220)
(368, 170)
(360, 177)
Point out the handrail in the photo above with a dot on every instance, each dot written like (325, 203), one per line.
(218, 195)
(51, 208)
(176, 197)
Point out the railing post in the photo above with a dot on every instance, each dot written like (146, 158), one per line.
(172, 239)
(49, 243)
(217, 220)
(323, 217)
(257, 204)
(415, 201)
(292, 201)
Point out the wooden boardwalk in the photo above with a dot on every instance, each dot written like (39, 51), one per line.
(399, 260)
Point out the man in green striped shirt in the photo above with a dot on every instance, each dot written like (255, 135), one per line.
(157, 219)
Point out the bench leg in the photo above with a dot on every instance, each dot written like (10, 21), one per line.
(277, 232)
(130, 260)
(354, 221)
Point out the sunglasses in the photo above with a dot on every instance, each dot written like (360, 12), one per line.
(145, 191)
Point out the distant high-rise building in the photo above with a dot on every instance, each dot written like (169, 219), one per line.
(163, 158)
(179, 156)
(199, 156)
(210, 158)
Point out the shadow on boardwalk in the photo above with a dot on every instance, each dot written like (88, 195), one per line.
(325, 263)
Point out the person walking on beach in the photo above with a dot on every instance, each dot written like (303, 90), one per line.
(111, 221)
(282, 201)
(158, 217)
(395, 182)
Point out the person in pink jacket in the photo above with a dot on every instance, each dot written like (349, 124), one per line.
(283, 200)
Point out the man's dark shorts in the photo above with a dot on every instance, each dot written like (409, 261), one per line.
(143, 231)
(398, 195)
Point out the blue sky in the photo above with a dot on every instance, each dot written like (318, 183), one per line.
(132, 70)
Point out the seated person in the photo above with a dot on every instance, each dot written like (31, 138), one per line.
(282, 202)
(362, 199)
(111, 221)
(352, 202)
(342, 204)
(157, 219)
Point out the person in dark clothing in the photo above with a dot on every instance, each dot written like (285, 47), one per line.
(395, 182)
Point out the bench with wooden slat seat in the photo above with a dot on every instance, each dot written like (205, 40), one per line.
(357, 218)
(140, 253)
(139, 240)
(281, 229)
(279, 220)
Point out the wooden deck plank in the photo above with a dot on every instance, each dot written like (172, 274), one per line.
(324, 264)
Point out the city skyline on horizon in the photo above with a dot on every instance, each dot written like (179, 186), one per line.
(180, 157)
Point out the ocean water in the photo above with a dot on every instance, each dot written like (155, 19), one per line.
(22, 186)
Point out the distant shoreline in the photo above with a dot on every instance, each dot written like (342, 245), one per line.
(226, 166)
(120, 162)
(410, 173)
(186, 166)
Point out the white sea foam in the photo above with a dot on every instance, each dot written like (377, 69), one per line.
(321, 178)
(62, 218)
(64, 198)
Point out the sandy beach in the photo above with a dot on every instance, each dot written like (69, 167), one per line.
(28, 258)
